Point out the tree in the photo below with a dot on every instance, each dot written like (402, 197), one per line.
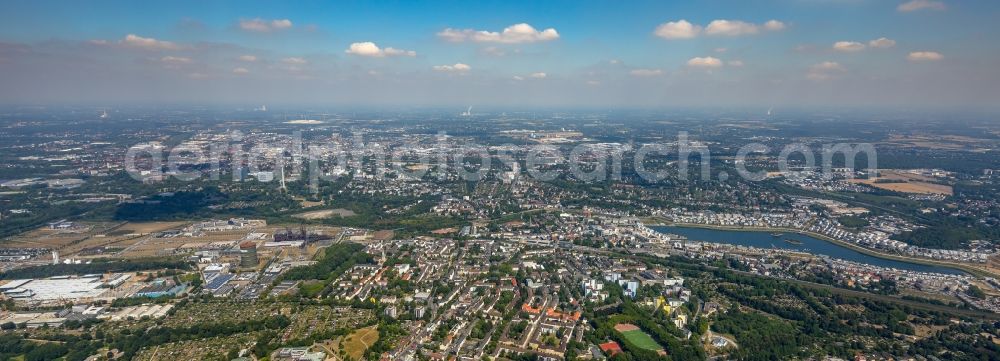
(976, 292)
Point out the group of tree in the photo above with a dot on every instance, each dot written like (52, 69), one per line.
(336, 259)
(96, 267)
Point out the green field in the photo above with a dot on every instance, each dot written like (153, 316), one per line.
(642, 340)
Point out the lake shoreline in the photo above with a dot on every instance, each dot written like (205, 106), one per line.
(969, 269)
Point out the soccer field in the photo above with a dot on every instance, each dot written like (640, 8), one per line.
(641, 339)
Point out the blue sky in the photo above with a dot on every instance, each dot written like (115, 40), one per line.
(605, 53)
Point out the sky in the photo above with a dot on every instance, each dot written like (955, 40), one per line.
(620, 54)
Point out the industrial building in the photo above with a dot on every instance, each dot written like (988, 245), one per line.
(160, 288)
(55, 288)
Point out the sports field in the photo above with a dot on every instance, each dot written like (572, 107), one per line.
(635, 336)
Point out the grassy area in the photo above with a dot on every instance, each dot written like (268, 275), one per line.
(310, 289)
(356, 343)
(641, 339)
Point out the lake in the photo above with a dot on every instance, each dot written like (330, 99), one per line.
(803, 243)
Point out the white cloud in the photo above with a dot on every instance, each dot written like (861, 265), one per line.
(390, 51)
(925, 56)
(646, 72)
(457, 68)
(248, 58)
(364, 49)
(848, 46)
(774, 25)
(854, 46)
(455, 35)
(882, 43)
(175, 60)
(136, 41)
(370, 49)
(824, 70)
(828, 66)
(730, 28)
(705, 62)
(294, 61)
(281, 24)
(240, 71)
(914, 5)
(736, 63)
(514, 34)
(263, 26)
(593, 82)
(680, 29)
(538, 75)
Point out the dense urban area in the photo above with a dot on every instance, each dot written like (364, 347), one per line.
(303, 234)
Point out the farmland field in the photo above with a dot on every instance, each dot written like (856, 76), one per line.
(326, 213)
(905, 182)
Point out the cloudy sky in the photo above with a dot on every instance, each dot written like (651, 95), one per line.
(900, 53)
